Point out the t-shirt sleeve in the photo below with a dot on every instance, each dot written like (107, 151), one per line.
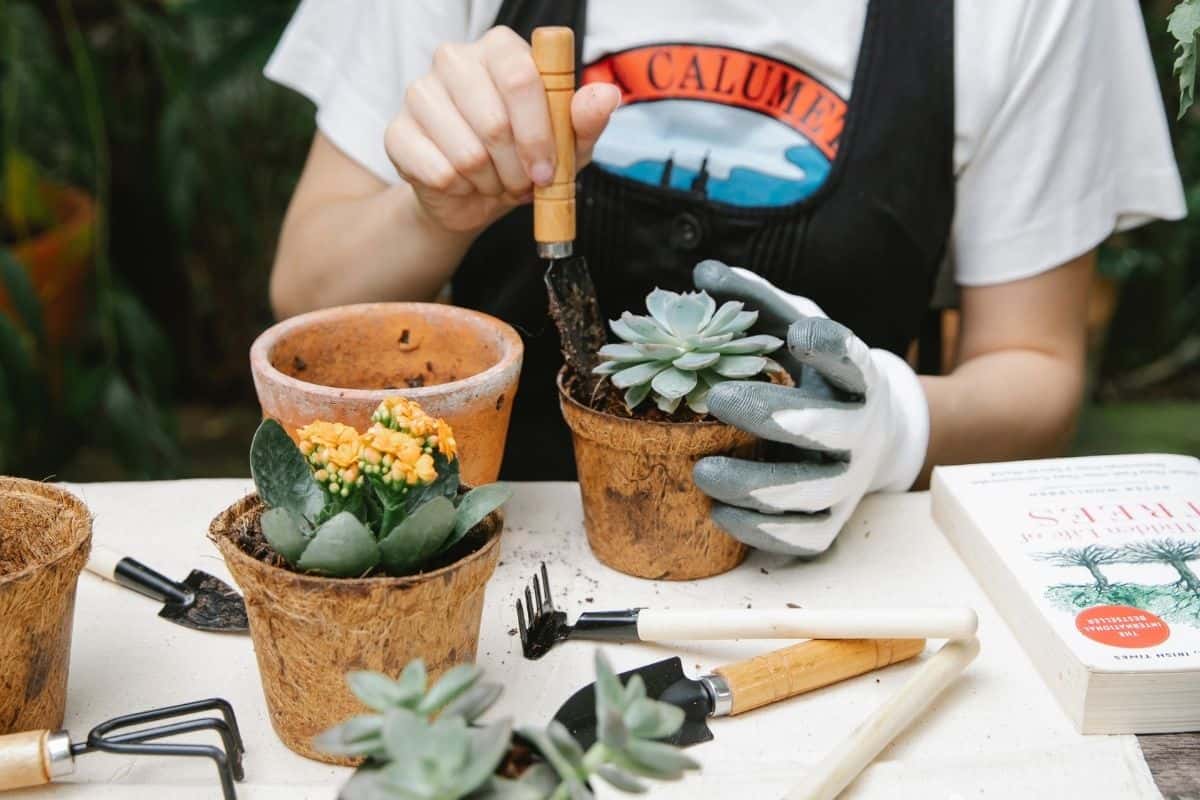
(1077, 148)
(354, 60)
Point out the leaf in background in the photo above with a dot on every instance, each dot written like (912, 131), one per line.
(20, 291)
(1184, 24)
(422, 534)
(282, 529)
(342, 548)
(281, 474)
(380, 692)
(359, 736)
(451, 685)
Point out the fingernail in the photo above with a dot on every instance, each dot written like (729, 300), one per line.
(542, 172)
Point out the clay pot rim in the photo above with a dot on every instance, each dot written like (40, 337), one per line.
(713, 423)
(260, 351)
(312, 582)
(68, 502)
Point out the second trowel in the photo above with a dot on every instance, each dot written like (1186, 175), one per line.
(746, 685)
(200, 601)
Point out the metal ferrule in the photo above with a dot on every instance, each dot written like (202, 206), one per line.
(59, 759)
(720, 694)
(555, 249)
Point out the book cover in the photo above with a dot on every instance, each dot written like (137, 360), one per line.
(1107, 547)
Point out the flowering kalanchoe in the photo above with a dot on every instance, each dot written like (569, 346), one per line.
(334, 451)
(343, 503)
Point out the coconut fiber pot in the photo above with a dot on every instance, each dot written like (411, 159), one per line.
(643, 514)
(309, 631)
(339, 363)
(45, 536)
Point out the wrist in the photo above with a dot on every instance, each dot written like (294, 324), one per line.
(909, 425)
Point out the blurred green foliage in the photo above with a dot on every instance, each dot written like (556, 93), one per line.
(158, 108)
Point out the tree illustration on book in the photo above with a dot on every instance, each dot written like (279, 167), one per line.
(1178, 601)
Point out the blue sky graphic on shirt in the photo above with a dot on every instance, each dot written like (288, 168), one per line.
(740, 128)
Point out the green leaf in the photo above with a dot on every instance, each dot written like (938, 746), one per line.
(690, 313)
(609, 692)
(667, 405)
(536, 783)
(357, 736)
(23, 296)
(566, 744)
(566, 771)
(673, 383)
(402, 728)
(611, 728)
(740, 366)
(750, 345)
(1183, 24)
(633, 328)
(634, 395)
(475, 507)
(621, 352)
(342, 548)
(471, 704)
(620, 779)
(281, 474)
(724, 315)
(488, 748)
(380, 692)
(697, 399)
(282, 529)
(694, 360)
(451, 685)
(649, 719)
(642, 373)
(412, 681)
(422, 534)
(658, 759)
(659, 303)
(445, 485)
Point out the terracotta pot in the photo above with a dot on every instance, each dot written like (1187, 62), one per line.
(309, 631)
(59, 261)
(643, 514)
(45, 537)
(337, 364)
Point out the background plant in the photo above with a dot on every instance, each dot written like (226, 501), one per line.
(682, 349)
(425, 744)
(343, 503)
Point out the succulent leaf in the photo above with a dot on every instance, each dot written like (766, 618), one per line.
(687, 340)
(359, 736)
(422, 534)
(648, 719)
(342, 547)
(471, 704)
(740, 366)
(658, 759)
(673, 383)
(620, 779)
(451, 685)
(283, 531)
(381, 693)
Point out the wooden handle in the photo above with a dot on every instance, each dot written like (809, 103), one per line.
(836, 771)
(103, 561)
(24, 760)
(800, 668)
(554, 205)
(803, 623)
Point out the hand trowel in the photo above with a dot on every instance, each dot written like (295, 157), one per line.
(743, 686)
(573, 303)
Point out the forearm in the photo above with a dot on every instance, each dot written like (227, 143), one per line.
(353, 249)
(1010, 404)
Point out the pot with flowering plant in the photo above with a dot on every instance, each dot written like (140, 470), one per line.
(640, 423)
(359, 550)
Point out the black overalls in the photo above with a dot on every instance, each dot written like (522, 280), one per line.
(866, 246)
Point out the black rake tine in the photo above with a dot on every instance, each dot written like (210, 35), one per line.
(537, 591)
(531, 608)
(521, 625)
(546, 586)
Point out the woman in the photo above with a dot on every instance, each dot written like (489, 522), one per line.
(843, 150)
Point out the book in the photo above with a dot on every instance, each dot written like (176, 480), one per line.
(1093, 563)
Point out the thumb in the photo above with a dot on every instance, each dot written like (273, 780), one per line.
(591, 109)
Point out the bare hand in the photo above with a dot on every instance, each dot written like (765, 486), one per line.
(474, 135)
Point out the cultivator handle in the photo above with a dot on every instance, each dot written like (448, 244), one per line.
(34, 758)
(554, 205)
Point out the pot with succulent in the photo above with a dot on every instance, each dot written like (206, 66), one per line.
(427, 743)
(639, 430)
(359, 550)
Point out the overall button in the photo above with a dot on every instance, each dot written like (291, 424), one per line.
(686, 232)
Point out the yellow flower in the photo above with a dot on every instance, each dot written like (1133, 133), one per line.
(400, 413)
(331, 444)
(424, 468)
(386, 445)
(445, 440)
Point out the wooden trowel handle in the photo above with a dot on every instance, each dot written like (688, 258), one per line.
(33, 758)
(554, 205)
(800, 668)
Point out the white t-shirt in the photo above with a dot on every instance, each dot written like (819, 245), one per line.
(1060, 133)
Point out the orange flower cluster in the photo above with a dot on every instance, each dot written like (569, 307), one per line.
(334, 451)
(402, 414)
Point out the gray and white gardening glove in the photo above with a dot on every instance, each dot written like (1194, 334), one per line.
(856, 422)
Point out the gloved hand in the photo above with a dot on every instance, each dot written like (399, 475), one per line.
(857, 422)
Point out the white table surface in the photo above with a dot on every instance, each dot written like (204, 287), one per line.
(996, 733)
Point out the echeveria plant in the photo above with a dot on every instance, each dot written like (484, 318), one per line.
(425, 744)
(685, 347)
(343, 503)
